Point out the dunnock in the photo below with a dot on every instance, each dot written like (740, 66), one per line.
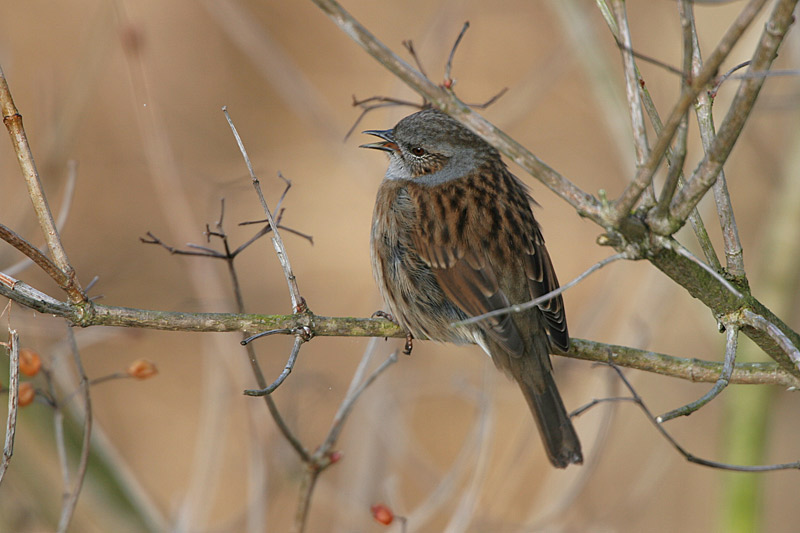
(453, 236)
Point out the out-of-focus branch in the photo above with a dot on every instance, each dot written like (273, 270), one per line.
(13, 121)
(72, 493)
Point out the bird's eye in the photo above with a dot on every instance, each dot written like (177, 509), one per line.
(418, 151)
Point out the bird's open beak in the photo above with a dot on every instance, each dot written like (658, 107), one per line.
(388, 144)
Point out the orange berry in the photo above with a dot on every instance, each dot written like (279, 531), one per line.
(26, 394)
(29, 362)
(382, 514)
(142, 369)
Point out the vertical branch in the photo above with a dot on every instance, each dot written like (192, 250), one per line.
(13, 121)
(632, 90)
(644, 175)
(298, 304)
(705, 121)
(71, 499)
(13, 402)
(730, 129)
(695, 220)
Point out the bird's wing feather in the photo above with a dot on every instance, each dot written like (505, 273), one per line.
(467, 275)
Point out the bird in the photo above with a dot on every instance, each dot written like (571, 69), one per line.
(454, 236)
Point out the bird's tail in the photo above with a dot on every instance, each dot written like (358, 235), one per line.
(558, 434)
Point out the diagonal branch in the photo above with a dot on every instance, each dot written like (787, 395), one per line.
(644, 176)
(445, 100)
(13, 122)
(709, 168)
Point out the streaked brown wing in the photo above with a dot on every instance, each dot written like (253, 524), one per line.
(541, 280)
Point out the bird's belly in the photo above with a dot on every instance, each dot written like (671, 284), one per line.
(409, 287)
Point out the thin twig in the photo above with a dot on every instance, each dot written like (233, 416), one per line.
(298, 304)
(448, 80)
(287, 369)
(709, 168)
(687, 254)
(13, 402)
(517, 308)
(731, 344)
(323, 456)
(688, 456)
(356, 389)
(409, 45)
(644, 175)
(632, 91)
(690, 369)
(63, 215)
(35, 255)
(734, 257)
(71, 498)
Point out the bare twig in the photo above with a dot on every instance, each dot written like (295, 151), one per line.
(694, 218)
(324, 456)
(517, 308)
(13, 122)
(324, 326)
(709, 168)
(298, 304)
(63, 214)
(448, 80)
(694, 370)
(632, 91)
(644, 175)
(705, 121)
(298, 342)
(687, 254)
(13, 402)
(71, 497)
(688, 456)
(732, 342)
(33, 253)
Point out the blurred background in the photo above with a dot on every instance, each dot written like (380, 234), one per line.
(132, 91)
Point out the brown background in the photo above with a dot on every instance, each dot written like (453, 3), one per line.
(133, 90)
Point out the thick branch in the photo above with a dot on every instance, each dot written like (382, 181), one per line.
(324, 326)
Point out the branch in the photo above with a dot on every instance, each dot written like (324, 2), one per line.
(19, 140)
(446, 100)
(709, 168)
(644, 176)
(325, 326)
(13, 402)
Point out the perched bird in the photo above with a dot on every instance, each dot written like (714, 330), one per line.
(453, 236)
